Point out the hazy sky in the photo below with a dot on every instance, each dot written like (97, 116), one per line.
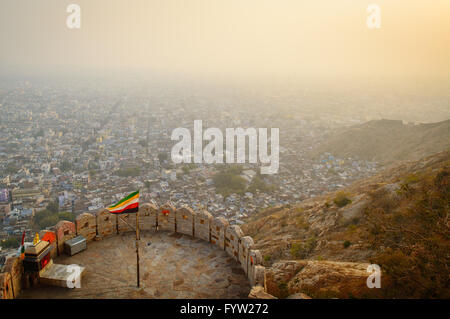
(234, 37)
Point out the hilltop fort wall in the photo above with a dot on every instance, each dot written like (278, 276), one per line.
(202, 224)
(217, 229)
(86, 226)
(184, 220)
(106, 223)
(233, 234)
(65, 230)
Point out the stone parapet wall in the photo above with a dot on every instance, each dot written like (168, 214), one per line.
(65, 230)
(106, 223)
(233, 235)
(245, 244)
(166, 217)
(86, 226)
(255, 272)
(184, 217)
(125, 222)
(184, 220)
(148, 216)
(217, 229)
(6, 291)
(202, 224)
(14, 268)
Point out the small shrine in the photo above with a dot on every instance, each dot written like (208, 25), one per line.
(37, 256)
(39, 266)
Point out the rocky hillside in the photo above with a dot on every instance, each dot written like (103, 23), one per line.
(397, 219)
(388, 141)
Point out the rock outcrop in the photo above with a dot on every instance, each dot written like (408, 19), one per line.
(318, 279)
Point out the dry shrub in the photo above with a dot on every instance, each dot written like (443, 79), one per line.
(416, 236)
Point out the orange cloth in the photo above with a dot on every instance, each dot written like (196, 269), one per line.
(49, 236)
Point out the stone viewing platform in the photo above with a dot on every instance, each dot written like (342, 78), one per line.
(183, 254)
(173, 266)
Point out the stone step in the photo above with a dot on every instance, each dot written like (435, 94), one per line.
(61, 275)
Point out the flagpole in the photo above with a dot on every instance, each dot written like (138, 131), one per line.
(137, 247)
(122, 207)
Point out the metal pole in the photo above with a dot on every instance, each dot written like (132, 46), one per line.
(137, 247)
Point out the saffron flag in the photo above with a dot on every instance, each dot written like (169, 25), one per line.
(127, 205)
(49, 236)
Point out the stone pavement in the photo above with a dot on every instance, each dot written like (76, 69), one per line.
(172, 266)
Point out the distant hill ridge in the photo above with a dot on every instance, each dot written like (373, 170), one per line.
(388, 141)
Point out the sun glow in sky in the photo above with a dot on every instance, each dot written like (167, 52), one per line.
(257, 37)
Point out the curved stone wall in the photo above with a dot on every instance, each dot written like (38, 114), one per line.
(217, 229)
(65, 230)
(202, 224)
(86, 226)
(106, 223)
(233, 234)
(148, 216)
(166, 218)
(184, 220)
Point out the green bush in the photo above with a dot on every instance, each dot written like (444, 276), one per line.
(185, 169)
(66, 166)
(11, 169)
(66, 216)
(48, 221)
(10, 242)
(129, 172)
(303, 249)
(347, 244)
(412, 179)
(47, 218)
(283, 289)
(228, 182)
(301, 223)
(259, 184)
(341, 199)
(299, 210)
(53, 207)
(39, 217)
(142, 143)
(296, 249)
(163, 157)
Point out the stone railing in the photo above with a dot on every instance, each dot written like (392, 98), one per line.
(184, 220)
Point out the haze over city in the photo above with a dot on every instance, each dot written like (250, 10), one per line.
(241, 38)
(361, 169)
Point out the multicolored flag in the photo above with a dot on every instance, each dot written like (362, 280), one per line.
(127, 205)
